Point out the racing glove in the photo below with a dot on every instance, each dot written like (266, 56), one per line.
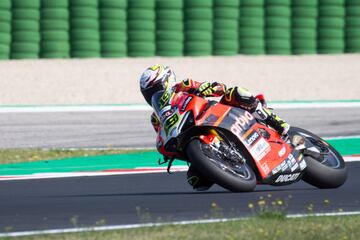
(206, 89)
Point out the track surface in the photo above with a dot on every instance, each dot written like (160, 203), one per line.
(133, 129)
(56, 203)
(69, 202)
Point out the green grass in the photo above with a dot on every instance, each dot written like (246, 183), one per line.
(316, 228)
(31, 155)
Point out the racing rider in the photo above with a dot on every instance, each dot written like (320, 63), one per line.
(158, 78)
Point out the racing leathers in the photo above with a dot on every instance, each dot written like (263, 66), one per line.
(235, 96)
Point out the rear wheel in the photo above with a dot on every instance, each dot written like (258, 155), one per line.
(229, 172)
(328, 170)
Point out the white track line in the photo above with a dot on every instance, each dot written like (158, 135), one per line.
(111, 108)
(352, 158)
(141, 170)
(92, 174)
(330, 214)
(132, 226)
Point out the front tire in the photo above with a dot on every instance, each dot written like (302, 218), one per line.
(329, 172)
(216, 170)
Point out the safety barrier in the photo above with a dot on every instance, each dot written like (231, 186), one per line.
(142, 28)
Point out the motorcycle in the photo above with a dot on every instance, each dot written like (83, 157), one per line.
(235, 150)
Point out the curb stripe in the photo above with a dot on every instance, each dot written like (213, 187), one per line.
(93, 174)
(140, 170)
(132, 226)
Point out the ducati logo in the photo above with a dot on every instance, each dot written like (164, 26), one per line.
(287, 177)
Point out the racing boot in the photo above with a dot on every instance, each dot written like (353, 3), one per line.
(197, 180)
(272, 120)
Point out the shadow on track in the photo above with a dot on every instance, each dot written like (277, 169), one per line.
(184, 193)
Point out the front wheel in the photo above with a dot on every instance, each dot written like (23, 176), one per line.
(231, 174)
(326, 171)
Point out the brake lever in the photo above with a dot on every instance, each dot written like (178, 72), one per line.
(166, 159)
(169, 165)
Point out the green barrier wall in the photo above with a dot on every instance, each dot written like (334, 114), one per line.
(140, 28)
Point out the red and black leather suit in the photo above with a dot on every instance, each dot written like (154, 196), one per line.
(235, 96)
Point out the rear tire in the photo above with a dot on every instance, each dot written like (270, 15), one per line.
(318, 174)
(217, 174)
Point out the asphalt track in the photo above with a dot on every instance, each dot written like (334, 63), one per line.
(126, 199)
(130, 129)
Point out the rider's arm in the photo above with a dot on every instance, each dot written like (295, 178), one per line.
(206, 89)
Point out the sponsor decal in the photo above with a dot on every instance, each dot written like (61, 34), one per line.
(260, 149)
(170, 122)
(265, 168)
(282, 151)
(284, 166)
(290, 161)
(276, 169)
(293, 168)
(166, 114)
(287, 178)
(302, 165)
(252, 138)
(164, 99)
(241, 123)
(186, 103)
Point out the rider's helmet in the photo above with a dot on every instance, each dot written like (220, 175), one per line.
(154, 79)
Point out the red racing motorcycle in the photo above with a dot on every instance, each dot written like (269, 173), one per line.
(237, 151)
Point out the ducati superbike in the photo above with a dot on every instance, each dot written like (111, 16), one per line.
(232, 148)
